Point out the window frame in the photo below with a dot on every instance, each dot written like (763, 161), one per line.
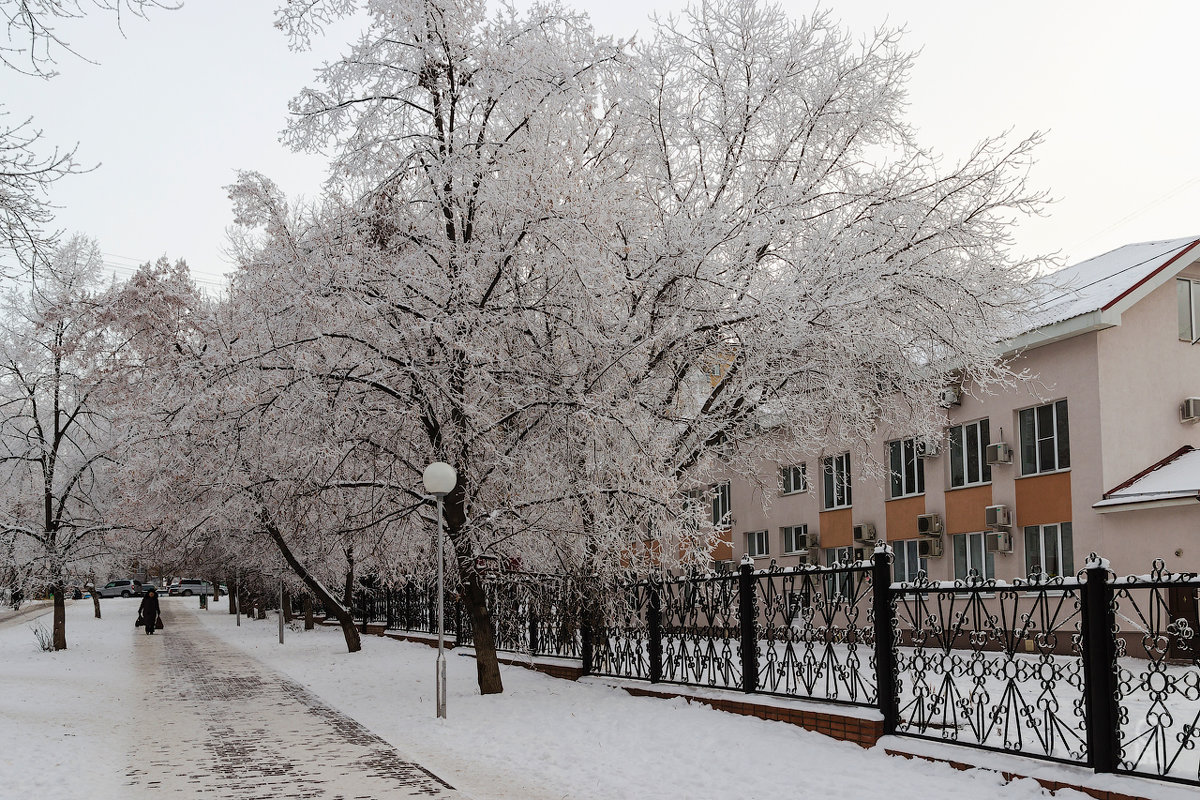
(1193, 310)
(1065, 555)
(722, 501)
(1060, 437)
(787, 478)
(982, 437)
(989, 559)
(760, 537)
(835, 475)
(789, 532)
(902, 454)
(835, 583)
(906, 549)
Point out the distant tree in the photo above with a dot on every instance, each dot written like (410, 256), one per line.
(58, 430)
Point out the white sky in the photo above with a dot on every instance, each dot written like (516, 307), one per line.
(174, 108)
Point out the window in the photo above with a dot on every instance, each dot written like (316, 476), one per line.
(793, 479)
(836, 481)
(757, 544)
(1048, 550)
(968, 454)
(908, 471)
(1189, 309)
(795, 538)
(970, 555)
(908, 561)
(720, 505)
(1045, 443)
(838, 582)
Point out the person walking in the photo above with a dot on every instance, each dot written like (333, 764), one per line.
(148, 610)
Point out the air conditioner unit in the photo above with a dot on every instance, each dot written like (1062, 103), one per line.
(1189, 410)
(930, 548)
(998, 453)
(996, 517)
(928, 448)
(807, 540)
(998, 542)
(929, 524)
(864, 532)
(951, 397)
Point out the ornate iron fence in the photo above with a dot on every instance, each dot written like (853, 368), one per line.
(991, 665)
(1156, 681)
(1090, 670)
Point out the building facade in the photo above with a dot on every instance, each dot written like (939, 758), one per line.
(1090, 455)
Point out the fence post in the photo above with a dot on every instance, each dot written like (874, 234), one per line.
(1099, 665)
(533, 630)
(585, 638)
(885, 640)
(747, 617)
(654, 626)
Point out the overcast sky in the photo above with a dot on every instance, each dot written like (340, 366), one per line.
(174, 108)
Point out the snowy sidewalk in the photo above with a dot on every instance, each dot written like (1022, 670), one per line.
(216, 723)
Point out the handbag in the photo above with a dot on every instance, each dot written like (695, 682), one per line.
(140, 622)
(158, 623)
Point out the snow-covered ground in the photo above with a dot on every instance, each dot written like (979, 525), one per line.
(66, 729)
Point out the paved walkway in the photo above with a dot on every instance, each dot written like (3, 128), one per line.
(217, 724)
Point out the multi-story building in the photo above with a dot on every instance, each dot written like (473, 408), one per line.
(1094, 454)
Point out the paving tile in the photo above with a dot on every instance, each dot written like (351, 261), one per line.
(215, 723)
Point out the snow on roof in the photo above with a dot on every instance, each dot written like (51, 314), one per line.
(1175, 478)
(1098, 283)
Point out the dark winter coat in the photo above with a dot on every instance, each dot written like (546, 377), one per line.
(148, 610)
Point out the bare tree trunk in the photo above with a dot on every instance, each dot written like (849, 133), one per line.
(60, 618)
(216, 589)
(287, 605)
(309, 623)
(342, 613)
(233, 593)
(96, 600)
(348, 595)
(487, 667)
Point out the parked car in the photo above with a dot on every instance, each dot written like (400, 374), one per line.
(190, 586)
(120, 589)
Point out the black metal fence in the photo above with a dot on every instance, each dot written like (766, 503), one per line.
(1090, 670)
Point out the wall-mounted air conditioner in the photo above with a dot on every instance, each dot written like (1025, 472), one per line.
(998, 453)
(996, 517)
(808, 540)
(1189, 410)
(928, 448)
(931, 548)
(998, 542)
(864, 532)
(929, 524)
(951, 397)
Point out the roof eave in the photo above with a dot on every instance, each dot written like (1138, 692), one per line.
(1092, 321)
(1109, 506)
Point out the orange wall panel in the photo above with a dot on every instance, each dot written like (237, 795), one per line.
(723, 549)
(837, 528)
(964, 508)
(1044, 499)
(902, 517)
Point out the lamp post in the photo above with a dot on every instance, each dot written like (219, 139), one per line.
(440, 479)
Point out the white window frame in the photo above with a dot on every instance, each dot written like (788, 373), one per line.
(1187, 291)
(789, 535)
(1064, 556)
(970, 432)
(756, 540)
(902, 454)
(793, 479)
(835, 583)
(721, 505)
(835, 477)
(1058, 409)
(973, 545)
(905, 552)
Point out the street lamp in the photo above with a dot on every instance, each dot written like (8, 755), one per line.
(440, 479)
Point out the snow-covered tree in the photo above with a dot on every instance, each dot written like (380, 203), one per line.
(59, 429)
(579, 270)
